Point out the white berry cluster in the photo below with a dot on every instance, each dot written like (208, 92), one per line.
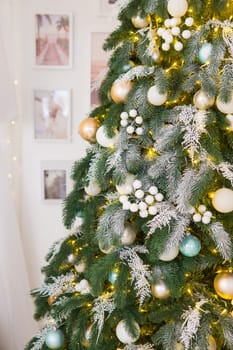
(201, 214)
(173, 33)
(132, 122)
(143, 202)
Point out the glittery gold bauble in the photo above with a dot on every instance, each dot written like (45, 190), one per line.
(120, 90)
(212, 343)
(179, 346)
(223, 285)
(202, 100)
(160, 290)
(51, 299)
(87, 129)
(139, 22)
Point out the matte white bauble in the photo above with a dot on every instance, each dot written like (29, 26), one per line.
(226, 108)
(177, 8)
(202, 100)
(93, 189)
(123, 334)
(129, 235)
(223, 200)
(127, 186)
(80, 267)
(169, 255)
(103, 139)
(155, 97)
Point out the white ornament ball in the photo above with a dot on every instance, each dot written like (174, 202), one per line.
(137, 184)
(177, 8)
(123, 334)
(226, 108)
(197, 217)
(178, 46)
(155, 97)
(175, 31)
(143, 213)
(130, 130)
(71, 258)
(129, 235)
(206, 220)
(80, 267)
(159, 197)
(124, 123)
(153, 210)
(142, 206)
(186, 34)
(139, 131)
(103, 139)
(202, 208)
(124, 115)
(139, 194)
(93, 189)
(165, 47)
(133, 207)
(189, 21)
(133, 113)
(139, 120)
(83, 287)
(127, 186)
(202, 100)
(153, 190)
(169, 255)
(223, 200)
(149, 199)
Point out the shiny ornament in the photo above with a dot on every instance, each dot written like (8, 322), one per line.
(139, 22)
(155, 97)
(205, 52)
(87, 129)
(160, 290)
(80, 267)
(190, 246)
(123, 334)
(202, 100)
(155, 55)
(169, 255)
(129, 235)
(127, 67)
(179, 346)
(127, 186)
(226, 108)
(71, 258)
(212, 343)
(54, 339)
(93, 189)
(223, 285)
(103, 139)
(120, 90)
(223, 200)
(51, 299)
(113, 277)
(106, 249)
(177, 8)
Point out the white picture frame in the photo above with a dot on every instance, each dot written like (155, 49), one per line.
(52, 115)
(53, 40)
(106, 7)
(55, 180)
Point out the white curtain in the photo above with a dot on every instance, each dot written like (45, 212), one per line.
(16, 308)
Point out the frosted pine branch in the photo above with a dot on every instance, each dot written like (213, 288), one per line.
(55, 249)
(140, 273)
(139, 347)
(166, 212)
(227, 171)
(58, 285)
(136, 73)
(91, 176)
(178, 232)
(222, 240)
(184, 190)
(161, 164)
(102, 305)
(95, 85)
(191, 324)
(165, 137)
(38, 344)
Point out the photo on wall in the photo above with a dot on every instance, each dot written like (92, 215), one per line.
(99, 64)
(52, 115)
(53, 40)
(55, 179)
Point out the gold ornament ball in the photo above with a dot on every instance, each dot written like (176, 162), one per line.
(179, 346)
(212, 343)
(202, 100)
(223, 285)
(223, 200)
(156, 55)
(51, 299)
(139, 22)
(120, 90)
(226, 108)
(87, 129)
(160, 290)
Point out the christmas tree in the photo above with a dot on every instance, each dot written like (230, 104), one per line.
(148, 263)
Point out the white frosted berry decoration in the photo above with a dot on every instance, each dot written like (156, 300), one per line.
(189, 21)
(133, 113)
(201, 214)
(137, 184)
(178, 46)
(197, 217)
(124, 115)
(186, 34)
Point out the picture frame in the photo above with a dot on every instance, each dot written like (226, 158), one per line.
(55, 180)
(98, 65)
(52, 115)
(53, 40)
(106, 7)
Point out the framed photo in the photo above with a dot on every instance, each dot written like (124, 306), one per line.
(106, 6)
(99, 60)
(53, 40)
(52, 115)
(55, 180)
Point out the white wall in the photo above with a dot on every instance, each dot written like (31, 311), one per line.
(42, 223)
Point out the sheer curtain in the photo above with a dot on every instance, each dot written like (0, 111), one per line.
(16, 310)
